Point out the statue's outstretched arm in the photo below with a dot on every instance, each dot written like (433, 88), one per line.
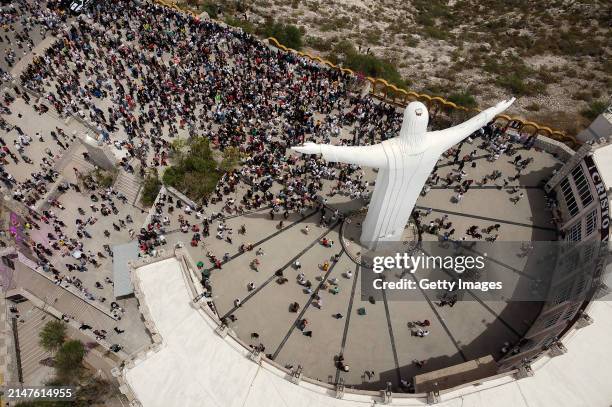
(447, 138)
(366, 156)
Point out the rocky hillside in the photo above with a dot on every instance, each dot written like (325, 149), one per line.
(555, 55)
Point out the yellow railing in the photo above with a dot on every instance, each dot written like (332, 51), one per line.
(393, 94)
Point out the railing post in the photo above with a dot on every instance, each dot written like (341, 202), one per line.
(524, 371)
(340, 388)
(584, 321)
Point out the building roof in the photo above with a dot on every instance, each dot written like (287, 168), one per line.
(122, 254)
(603, 160)
(195, 366)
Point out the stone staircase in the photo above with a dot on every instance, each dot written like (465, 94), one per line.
(81, 164)
(129, 185)
(31, 352)
(64, 301)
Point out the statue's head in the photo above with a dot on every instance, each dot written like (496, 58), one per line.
(415, 122)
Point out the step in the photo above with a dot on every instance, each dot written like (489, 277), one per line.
(128, 180)
(129, 185)
(31, 351)
(80, 162)
(123, 185)
(66, 157)
(67, 302)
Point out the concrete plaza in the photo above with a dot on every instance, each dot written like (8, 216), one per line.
(373, 336)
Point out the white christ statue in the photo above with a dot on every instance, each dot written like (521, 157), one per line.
(404, 164)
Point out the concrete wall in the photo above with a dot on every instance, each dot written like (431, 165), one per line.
(99, 155)
(601, 127)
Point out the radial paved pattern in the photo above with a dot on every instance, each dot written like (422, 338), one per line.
(372, 336)
(379, 341)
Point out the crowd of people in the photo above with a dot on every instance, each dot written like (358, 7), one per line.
(144, 75)
(146, 79)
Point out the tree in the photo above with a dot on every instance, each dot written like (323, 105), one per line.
(246, 26)
(211, 9)
(91, 391)
(105, 178)
(293, 37)
(69, 359)
(52, 336)
(177, 148)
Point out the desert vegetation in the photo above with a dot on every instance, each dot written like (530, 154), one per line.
(555, 55)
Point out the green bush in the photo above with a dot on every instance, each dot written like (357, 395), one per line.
(368, 64)
(105, 178)
(519, 87)
(436, 89)
(507, 66)
(582, 95)
(372, 36)
(436, 33)
(375, 67)
(333, 24)
(594, 109)
(287, 34)
(231, 159)
(52, 336)
(194, 172)
(463, 99)
(150, 188)
(607, 66)
(513, 83)
(430, 10)
(546, 76)
(319, 44)
(93, 391)
(69, 359)
(412, 41)
(68, 365)
(240, 6)
(247, 26)
(45, 403)
(211, 9)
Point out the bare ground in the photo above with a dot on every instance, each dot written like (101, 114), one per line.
(554, 55)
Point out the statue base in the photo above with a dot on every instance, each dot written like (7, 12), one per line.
(351, 232)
